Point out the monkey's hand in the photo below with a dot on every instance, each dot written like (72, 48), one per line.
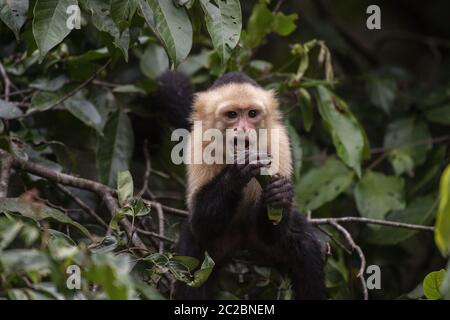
(247, 166)
(279, 193)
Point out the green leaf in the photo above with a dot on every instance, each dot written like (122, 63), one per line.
(408, 142)
(43, 100)
(39, 211)
(297, 151)
(112, 274)
(442, 232)
(24, 260)
(439, 115)
(348, 135)
(102, 20)
(50, 23)
(124, 186)
(171, 25)
(46, 84)
(306, 108)
(382, 92)
(420, 211)
(224, 24)
(13, 13)
(283, 24)
(200, 276)
(115, 149)
(190, 262)
(108, 244)
(321, 185)
(9, 229)
(9, 110)
(122, 12)
(432, 284)
(84, 111)
(154, 61)
(258, 26)
(376, 194)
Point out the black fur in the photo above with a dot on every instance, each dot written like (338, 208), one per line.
(233, 77)
(214, 225)
(175, 95)
(291, 246)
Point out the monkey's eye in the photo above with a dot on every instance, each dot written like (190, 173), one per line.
(252, 113)
(231, 114)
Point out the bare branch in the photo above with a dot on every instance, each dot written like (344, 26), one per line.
(82, 205)
(6, 80)
(5, 172)
(175, 211)
(103, 191)
(371, 221)
(358, 249)
(155, 235)
(160, 225)
(148, 169)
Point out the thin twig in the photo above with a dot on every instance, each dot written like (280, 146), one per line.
(82, 205)
(178, 212)
(277, 6)
(148, 169)
(5, 173)
(16, 93)
(79, 87)
(319, 221)
(358, 249)
(6, 80)
(155, 235)
(160, 213)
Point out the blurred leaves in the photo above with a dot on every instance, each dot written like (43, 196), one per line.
(376, 194)
(442, 233)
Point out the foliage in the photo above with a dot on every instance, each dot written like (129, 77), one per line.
(369, 142)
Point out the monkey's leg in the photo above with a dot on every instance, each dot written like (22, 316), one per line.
(298, 254)
(188, 246)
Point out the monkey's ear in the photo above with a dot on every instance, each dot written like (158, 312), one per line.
(272, 100)
(202, 104)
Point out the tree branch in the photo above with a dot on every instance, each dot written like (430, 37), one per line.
(7, 81)
(388, 223)
(5, 173)
(358, 250)
(103, 191)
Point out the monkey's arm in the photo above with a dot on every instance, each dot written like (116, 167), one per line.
(216, 202)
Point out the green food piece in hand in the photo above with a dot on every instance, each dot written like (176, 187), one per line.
(274, 215)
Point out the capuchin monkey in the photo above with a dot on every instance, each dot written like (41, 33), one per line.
(227, 206)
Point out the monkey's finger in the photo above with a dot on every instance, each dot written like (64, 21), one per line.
(278, 197)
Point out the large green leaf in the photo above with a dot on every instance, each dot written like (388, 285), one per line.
(376, 194)
(442, 233)
(115, 149)
(432, 284)
(85, 111)
(297, 151)
(171, 25)
(154, 61)
(321, 185)
(50, 23)
(348, 135)
(14, 14)
(122, 12)
(9, 110)
(382, 92)
(420, 211)
(102, 20)
(124, 186)
(408, 142)
(224, 24)
(439, 115)
(39, 211)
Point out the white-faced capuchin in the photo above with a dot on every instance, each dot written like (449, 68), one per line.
(227, 205)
